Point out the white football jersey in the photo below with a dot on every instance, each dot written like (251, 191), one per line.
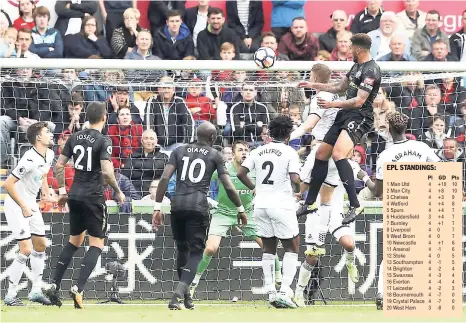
(30, 171)
(405, 151)
(273, 164)
(327, 116)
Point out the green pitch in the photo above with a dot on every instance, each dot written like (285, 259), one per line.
(215, 312)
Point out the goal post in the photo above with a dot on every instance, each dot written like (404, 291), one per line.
(148, 258)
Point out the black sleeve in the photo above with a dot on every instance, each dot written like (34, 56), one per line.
(89, 7)
(67, 149)
(233, 20)
(369, 78)
(173, 157)
(255, 29)
(220, 164)
(355, 27)
(106, 149)
(203, 46)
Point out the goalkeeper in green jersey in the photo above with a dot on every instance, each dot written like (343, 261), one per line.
(224, 217)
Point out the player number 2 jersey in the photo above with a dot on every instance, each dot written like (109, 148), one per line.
(405, 151)
(30, 171)
(272, 164)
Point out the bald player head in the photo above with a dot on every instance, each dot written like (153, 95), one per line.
(206, 133)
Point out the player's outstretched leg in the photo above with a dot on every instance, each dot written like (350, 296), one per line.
(37, 259)
(318, 175)
(181, 261)
(16, 272)
(53, 293)
(212, 244)
(379, 297)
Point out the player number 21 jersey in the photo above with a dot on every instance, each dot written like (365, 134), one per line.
(272, 164)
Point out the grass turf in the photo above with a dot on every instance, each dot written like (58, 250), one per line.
(243, 312)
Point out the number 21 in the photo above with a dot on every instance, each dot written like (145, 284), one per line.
(77, 164)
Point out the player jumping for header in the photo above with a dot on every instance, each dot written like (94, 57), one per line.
(194, 165)
(91, 152)
(276, 165)
(353, 121)
(23, 215)
(401, 151)
(224, 216)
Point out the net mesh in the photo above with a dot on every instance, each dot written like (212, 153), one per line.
(174, 106)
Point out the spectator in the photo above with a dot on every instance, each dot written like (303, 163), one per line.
(152, 190)
(248, 117)
(216, 33)
(227, 53)
(126, 137)
(142, 50)
(440, 52)
(452, 93)
(270, 40)
(381, 37)
(24, 43)
(87, 42)
(227, 154)
(409, 94)
(298, 44)
(380, 138)
(113, 14)
(323, 56)
(128, 190)
(158, 12)
(120, 99)
(69, 168)
(25, 19)
(411, 18)
(328, 41)
(460, 125)
(8, 44)
(196, 19)
(124, 38)
(342, 51)
(71, 14)
(46, 42)
(199, 105)
(451, 152)
(169, 117)
(145, 164)
(246, 18)
(72, 120)
(437, 132)
(5, 21)
(283, 14)
(173, 41)
(458, 42)
(430, 107)
(424, 38)
(294, 112)
(369, 19)
(359, 157)
(398, 51)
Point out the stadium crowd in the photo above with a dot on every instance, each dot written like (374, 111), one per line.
(146, 121)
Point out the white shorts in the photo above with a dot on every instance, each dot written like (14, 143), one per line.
(334, 225)
(279, 223)
(22, 228)
(332, 179)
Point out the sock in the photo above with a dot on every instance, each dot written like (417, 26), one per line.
(189, 271)
(324, 212)
(349, 257)
(182, 257)
(205, 261)
(268, 264)
(290, 260)
(278, 270)
(37, 266)
(380, 280)
(303, 278)
(63, 263)
(88, 265)
(15, 274)
(347, 178)
(318, 176)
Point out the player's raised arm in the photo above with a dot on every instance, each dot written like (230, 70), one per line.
(336, 87)
(245, 168)
(307, 126)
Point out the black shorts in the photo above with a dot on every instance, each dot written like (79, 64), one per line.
(190, 227)
(355, 124)
(88, 216)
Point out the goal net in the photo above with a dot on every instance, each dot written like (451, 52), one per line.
(172, 98)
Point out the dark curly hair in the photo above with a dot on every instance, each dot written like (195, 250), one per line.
(397, 121)
(280, 128)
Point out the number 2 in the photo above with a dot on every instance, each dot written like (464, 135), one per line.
(190, 172)
(269, 165)
(77, 164)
